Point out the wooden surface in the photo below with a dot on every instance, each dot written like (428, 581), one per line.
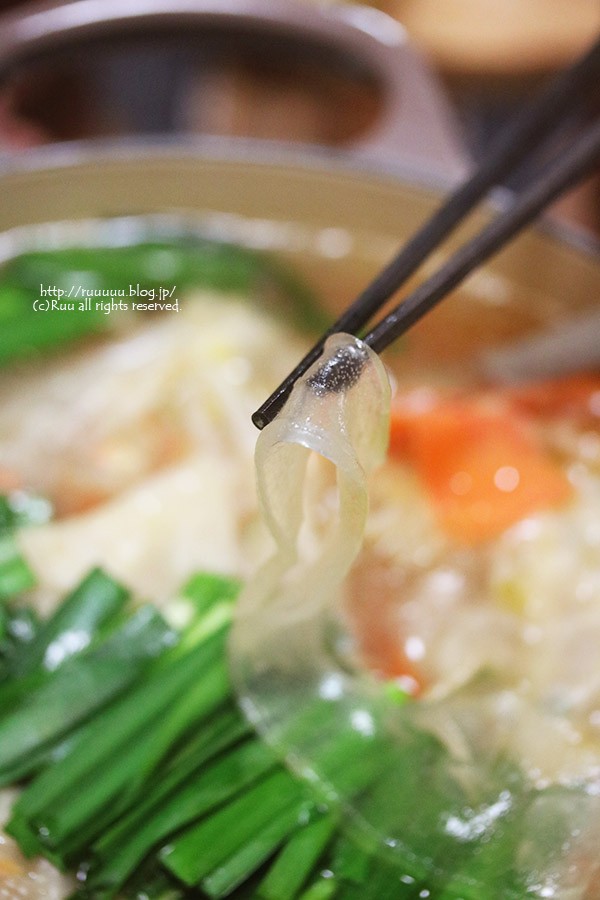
(493, 54)
(498, 37)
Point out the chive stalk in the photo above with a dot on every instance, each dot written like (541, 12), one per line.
(173, 801)
(256, 848)
(294, 864)
(87, 783)
(95, 601)
(226, 777)
(116, 272)
(103, 735)
(16, 575)
(324, 888)
(80, 686)
(203, 847)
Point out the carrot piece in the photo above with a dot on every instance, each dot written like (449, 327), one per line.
(10, 868)
(383, 652)
(481, 467)
(576, 396)
(380, 641)
(9, 480)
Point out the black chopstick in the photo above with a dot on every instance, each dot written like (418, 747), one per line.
(569, 169)
(530, 131)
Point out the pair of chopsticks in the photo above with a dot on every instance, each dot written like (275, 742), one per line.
(529, 135)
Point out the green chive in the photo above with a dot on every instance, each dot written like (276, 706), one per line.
(203, 847)
(15, 574)
(95, 601)
(123, 846)
(324, 888)
(295, 862)
(97, 797)
(81, 685)
(221, 780)
(175, 265)
(257, 848)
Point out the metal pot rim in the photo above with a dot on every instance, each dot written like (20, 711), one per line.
(264, 155)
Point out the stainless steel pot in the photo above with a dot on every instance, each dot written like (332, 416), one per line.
(378, 183)
(149, 66)
(337, 216)
(339, 222)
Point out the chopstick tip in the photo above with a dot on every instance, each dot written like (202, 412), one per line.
(273, 405)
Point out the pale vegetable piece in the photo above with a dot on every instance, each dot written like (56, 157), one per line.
(22, 878)
(144, 445)
(151, 537)
(89, 425)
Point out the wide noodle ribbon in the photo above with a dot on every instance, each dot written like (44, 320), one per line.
(465, 822)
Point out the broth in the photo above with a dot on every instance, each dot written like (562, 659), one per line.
(142, 441)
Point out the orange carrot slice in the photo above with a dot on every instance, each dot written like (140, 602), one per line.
(574, 396)
(482, 467)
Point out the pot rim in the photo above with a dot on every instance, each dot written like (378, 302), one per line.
(423, 129)
(271, 154)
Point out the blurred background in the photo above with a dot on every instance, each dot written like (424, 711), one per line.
(486, 56)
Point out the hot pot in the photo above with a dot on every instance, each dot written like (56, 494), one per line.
(336, 215)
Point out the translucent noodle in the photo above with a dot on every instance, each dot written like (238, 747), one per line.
(429, 784)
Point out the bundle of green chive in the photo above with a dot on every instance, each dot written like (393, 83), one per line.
(141, 776)
(139, 772)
